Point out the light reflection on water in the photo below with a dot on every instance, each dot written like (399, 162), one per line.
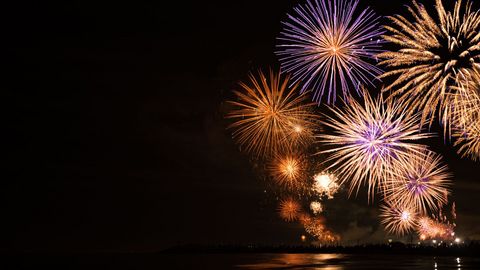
(299, 261)
(358, 261)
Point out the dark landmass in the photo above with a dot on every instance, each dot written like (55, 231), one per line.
(470, 249)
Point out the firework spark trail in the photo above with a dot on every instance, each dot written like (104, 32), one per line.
(421, 182)
(369, 140)
(398, 218)
(326, 42)
(269, 117)
(433, 56)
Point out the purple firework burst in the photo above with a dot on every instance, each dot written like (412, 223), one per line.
(324, 45)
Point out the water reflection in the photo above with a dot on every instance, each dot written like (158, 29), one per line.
(300, 261)
(358, 261)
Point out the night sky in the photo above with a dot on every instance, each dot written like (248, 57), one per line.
(115, 137)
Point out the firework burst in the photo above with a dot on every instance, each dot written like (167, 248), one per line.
(269, 117)
(325, 184)
(316, 227)
(369, 140)
(421, 183)
(398, 218)
(289, 209)
(289, 170)
(466, 116)
(316, 207)
(428, 228)
(326, 43)
(433, 56)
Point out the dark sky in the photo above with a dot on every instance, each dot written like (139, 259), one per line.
(115, 137)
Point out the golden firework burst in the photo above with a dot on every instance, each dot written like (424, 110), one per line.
(432, 56)
(465, 115)
(271, 118)
(289, 170)
(325, 184)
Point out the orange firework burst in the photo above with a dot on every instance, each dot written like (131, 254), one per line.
(368, 140)
(289, 209)
(398, 218)
(269, 117)
(422, 183)
(433, 56)
(288, 170)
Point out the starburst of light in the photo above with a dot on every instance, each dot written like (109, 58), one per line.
(325, 184)
(269, 117)
(289, 209)
(432, 56)
(368, 141)
(325, 43)
(316, 207)
(288, 170)
(422, 182)
(398, 218)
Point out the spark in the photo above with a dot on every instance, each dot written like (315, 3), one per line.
(422, 182)
(327, 42)
(269, 117)
(454, 211)
(433, 56)
(370, 140)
